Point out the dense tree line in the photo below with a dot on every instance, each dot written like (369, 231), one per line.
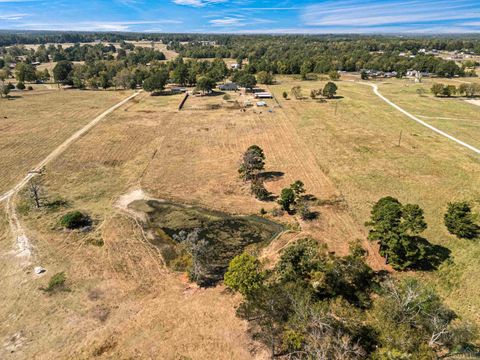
(306, 54)
(288, 54)
(466, 89)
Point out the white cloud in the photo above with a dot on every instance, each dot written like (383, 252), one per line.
(92, 25)
(12, 17)
(359, 13)
(232, 21)
(228, 21)
(198, 3)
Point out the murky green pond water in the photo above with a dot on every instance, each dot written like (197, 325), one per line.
(227, 235)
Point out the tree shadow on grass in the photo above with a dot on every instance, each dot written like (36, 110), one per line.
(271, 175)
(13, 97)
(435, 255)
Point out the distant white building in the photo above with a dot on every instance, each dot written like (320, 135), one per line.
(235, 66)
(263, 95)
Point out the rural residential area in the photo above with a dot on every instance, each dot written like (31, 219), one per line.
(245, 180)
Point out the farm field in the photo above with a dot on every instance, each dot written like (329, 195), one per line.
(34, 123)
(453, 115)
(190, 157)
(123, 303)
(356, 142)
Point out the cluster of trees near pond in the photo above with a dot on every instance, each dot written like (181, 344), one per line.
(315, 305)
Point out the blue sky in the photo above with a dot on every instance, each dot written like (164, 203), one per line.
(244, 16)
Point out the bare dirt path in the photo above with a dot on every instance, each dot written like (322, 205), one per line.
(24, 248)
(473, 102)
(414, 118)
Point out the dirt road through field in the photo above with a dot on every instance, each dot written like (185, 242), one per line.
(23, 244)
(438, 131)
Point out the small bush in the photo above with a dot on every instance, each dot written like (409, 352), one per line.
(23, 208)
(75, 220)
(30, 88)
(259, 191)
(57, 283)
(20, 86)
(263, 211)
(304, 211)
(460, 222)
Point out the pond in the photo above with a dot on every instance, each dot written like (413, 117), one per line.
(227, 236)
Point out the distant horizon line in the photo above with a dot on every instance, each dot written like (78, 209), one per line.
(427, 34)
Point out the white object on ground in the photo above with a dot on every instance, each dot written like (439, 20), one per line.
(39, 270)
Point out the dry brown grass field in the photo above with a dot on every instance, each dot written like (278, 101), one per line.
(124, 304)
(33, 123)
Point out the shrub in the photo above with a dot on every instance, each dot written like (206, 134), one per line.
(305, 212)
(75, 220)
(258, 189)
(243, 274)
(57, 283)
(20, 86)
(287, 199)
(329, 90)
(459, 221)
(437, 89)
(30, 88)
(334, 75)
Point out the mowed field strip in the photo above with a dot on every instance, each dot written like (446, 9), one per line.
(413, 117)
(456, 116)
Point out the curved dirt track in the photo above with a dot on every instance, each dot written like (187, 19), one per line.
(414, 118)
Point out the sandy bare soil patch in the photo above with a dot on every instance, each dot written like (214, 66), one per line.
(474, 102)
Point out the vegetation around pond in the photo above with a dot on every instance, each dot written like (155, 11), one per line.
(200, 241)
(315, 305)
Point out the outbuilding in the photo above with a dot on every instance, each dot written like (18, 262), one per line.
(228, 87)
(263, 95)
